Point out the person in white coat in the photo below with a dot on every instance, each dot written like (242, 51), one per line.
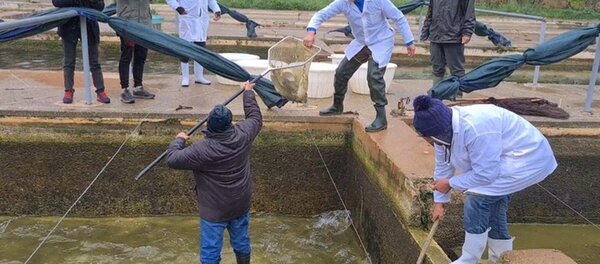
(373, 43)
(193, 26)
(496, 153)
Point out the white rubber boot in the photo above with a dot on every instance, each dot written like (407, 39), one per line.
(199, 74)
(185, 74)
(472, 248)
(498, 246)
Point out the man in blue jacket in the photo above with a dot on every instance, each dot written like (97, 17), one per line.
(221, 166)
(496, 153)
(70, 34)
(373, 43)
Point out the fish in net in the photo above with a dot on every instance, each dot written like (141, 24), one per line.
(521, 105)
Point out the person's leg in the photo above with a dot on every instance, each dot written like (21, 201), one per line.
(211, 241)
(438, 62)
(377, 91)
(198, 69)
(139, 59)
(344, 71)
(69, 48)
(97, 76)
(185, 73)
(499, 240)
(476, 217)
(239, 239)
(455, 58)
(124, 61)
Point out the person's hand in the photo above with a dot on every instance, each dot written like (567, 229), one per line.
(183, 136)
(249, 86)
(181, 10)
(217, 16)
(411, 50)
(437, 213)
(441, 185)
(465, 39)
(309, 39)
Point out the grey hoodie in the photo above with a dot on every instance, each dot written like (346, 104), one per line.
(221, 165)
(135, 10)
(448, 20)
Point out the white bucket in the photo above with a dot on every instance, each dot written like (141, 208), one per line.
(235, 57)
(255, 67)
(358, 82)
(336, 58)
(320, 80)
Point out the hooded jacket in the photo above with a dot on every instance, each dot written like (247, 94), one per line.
(70, 31)
(448, 21)
(221, 165)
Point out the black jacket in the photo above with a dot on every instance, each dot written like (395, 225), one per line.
(448, 20)
(70, 30)
(221, 165)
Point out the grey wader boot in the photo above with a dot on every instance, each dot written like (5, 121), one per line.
(242, 258)
(380, 122)
(436, 79)
(336, 109)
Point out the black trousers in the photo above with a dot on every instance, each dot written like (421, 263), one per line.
(138, 54)
(375, 80)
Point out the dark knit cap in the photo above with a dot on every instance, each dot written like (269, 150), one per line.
(219, 119)
(432, 117)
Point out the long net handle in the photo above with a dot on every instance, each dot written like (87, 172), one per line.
(428, 241)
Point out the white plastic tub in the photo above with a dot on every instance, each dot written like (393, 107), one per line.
(235, 57)
(336, 58)
(358, 82)
(320, 80)
(255, 67)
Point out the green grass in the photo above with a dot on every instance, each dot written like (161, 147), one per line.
(512, 6)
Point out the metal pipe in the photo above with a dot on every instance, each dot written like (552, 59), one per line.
(86, 59)
(592, 85)
(536, 71)
(32, 21)
(542, 19)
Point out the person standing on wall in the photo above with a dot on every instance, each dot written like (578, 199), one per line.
(70, 33)
(373, 43)
(448, 27)
(138, 11)
(221, 166)
(496, 152)
(193, 27)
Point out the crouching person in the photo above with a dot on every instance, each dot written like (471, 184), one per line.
(221, 166)
(496, 152)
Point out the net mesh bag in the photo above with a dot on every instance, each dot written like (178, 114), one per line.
(291, 83)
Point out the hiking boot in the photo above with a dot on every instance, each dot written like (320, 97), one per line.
(139, 92)
(68, 98)
(126, 96)
(103, 98)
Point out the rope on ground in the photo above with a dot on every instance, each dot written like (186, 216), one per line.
(338, 193)
(86, 189)
(572, 209)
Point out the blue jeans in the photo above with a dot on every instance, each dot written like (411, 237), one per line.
(482, 212)
(211, 238)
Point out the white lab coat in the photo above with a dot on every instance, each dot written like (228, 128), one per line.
(194, 25)
(496, 151)
(369, 28)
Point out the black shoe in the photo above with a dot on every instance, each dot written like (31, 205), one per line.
(380, 122)
(126, 96)
(139, 92)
